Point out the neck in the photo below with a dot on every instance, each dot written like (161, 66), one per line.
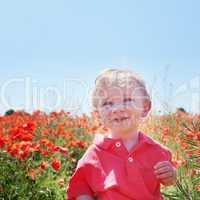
(129, 141)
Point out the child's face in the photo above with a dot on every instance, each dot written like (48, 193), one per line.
(122, 109)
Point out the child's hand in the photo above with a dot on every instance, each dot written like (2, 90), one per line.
(166, 172)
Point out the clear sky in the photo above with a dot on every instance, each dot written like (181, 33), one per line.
(51, 51)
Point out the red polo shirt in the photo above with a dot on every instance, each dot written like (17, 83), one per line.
(107, 170)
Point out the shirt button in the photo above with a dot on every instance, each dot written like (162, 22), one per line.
(117, 144)
(130, 159)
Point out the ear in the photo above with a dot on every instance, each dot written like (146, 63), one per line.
(147, 108)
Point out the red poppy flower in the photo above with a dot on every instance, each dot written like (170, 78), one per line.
(56, 164)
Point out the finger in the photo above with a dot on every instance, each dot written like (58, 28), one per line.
(162, 170)
(167, 181)
(165, 175)
(161, 164)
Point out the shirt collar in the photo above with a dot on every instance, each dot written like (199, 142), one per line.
(105, 142)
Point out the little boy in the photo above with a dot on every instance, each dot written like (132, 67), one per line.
(123, 164)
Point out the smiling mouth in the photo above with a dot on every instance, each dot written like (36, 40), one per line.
(122, 119)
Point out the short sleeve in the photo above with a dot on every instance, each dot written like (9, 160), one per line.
(78, 185)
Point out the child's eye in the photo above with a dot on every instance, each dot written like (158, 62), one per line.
(107, 103)
(128, 100)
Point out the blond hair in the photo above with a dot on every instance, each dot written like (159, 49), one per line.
(116, 77)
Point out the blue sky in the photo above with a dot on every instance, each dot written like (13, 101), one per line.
(44, 44)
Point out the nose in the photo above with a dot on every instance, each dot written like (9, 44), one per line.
(118, 107)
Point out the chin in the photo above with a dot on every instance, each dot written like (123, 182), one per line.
(121, 129)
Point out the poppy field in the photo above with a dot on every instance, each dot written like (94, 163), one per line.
(39, 151)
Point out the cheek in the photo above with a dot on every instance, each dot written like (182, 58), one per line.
(136, 115)
(104, 115)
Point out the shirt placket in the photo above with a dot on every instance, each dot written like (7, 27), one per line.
(135, 180)
(134, 173)
(118, 149)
